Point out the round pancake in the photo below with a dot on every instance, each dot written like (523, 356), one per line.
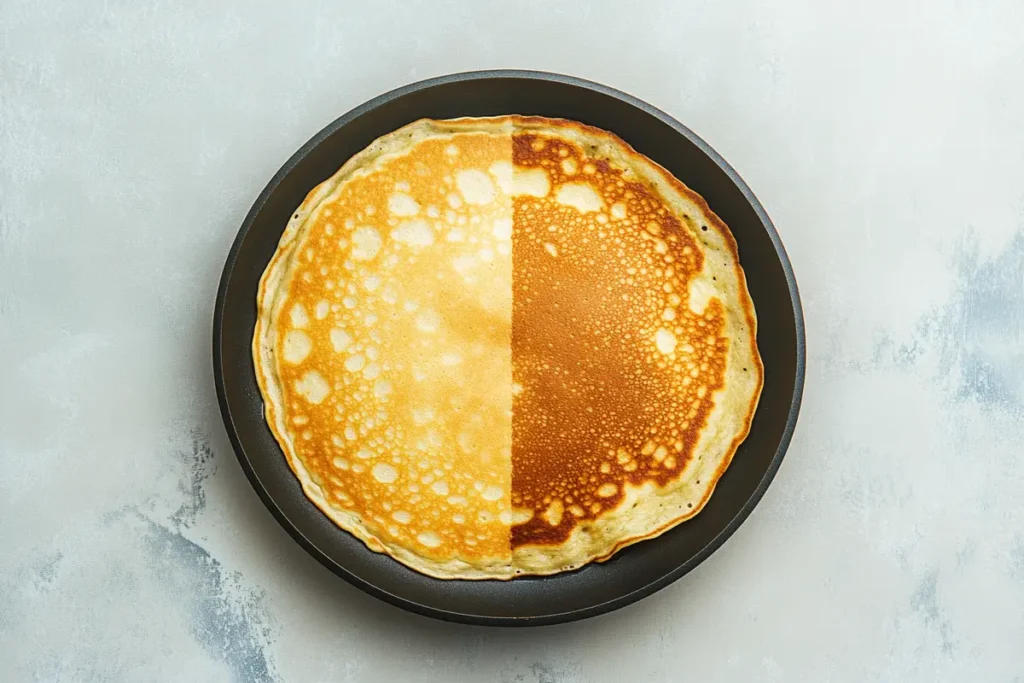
(503, 346)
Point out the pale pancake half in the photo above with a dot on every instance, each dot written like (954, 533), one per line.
(503, 346)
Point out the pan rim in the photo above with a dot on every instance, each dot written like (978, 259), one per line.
(458, 616)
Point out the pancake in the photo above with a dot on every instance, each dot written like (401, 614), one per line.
(503, 346)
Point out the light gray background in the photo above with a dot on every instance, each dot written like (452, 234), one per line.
(885, 139)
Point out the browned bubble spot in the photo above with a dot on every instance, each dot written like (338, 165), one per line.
(613, 392)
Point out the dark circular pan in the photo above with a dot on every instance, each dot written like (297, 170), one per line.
(635, 572)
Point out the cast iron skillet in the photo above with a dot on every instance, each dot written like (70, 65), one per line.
(635, 572)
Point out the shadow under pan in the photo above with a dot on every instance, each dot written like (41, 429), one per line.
(634, 572)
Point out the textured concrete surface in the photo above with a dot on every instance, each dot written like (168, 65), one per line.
(884, 138)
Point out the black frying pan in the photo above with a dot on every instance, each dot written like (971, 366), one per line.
(633, 573)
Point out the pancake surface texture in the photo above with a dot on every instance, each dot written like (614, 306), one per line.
(504, 346)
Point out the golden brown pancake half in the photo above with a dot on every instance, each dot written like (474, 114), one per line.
(502, 346)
